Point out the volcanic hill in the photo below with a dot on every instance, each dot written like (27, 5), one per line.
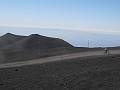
(15, 48)
(9, 39)
(35, 41)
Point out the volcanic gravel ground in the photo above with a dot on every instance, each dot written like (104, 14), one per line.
(85, 73)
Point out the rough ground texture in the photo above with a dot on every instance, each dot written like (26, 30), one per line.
(86, 73)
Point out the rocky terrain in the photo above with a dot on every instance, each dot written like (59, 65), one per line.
(85, 73)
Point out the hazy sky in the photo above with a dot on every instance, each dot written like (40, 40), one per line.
(102, 15)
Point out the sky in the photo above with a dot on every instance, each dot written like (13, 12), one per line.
(75, 21)
(66, 14)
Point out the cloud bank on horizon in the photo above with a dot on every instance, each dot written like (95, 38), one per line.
(100, 16)
(61, 28)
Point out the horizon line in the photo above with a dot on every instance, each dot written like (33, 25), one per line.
(63, 28)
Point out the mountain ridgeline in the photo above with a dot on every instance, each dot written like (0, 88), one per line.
(14, 48)
(34, 41)
(9, 39)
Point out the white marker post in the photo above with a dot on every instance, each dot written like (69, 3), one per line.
(88, 43)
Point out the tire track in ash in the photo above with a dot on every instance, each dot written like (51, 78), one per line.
(57, 58)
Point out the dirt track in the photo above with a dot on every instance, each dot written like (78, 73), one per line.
(57, 58)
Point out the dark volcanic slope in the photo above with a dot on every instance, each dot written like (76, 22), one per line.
(93, 73)
(36, 41)
(9, 39)
(20, 48)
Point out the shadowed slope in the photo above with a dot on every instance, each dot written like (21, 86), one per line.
(36, 41)
(9, 39)
(20, 48)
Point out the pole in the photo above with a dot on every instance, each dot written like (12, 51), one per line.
(88, 43)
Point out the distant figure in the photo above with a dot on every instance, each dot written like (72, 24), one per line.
(107, 51)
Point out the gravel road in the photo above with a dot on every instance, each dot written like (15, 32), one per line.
(57, 58)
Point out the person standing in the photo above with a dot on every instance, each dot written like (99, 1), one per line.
(107, 51)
